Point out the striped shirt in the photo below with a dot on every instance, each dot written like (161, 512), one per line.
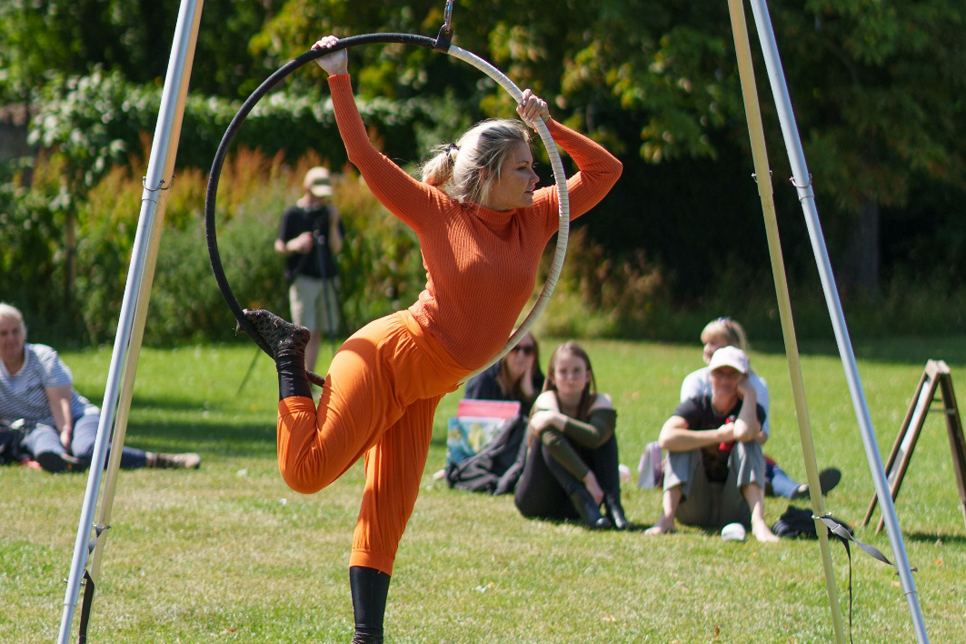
(24, 394)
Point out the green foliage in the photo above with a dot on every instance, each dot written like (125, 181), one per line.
(877, 88)
(599, 295)
(380, 264)
(72, 37)
(187, 306)
(31, 254)
(98, 120)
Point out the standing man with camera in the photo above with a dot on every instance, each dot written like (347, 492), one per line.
(310, 236)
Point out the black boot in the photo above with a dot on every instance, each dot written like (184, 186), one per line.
(287, 343)
(370, 588)
(283, 338)
(612, 503)
(589, 511)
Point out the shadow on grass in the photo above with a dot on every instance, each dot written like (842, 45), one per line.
(206, 438)
(215, 403)
(932, 537)
(902, 350)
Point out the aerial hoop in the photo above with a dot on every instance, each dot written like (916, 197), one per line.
(441, 43)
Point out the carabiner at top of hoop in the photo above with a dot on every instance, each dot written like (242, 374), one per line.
(448, 16)
(445, 37)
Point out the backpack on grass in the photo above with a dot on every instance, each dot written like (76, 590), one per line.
(798, 523)
(496, 468)
(10, 441)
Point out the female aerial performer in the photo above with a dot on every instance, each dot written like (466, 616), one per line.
(482, 227)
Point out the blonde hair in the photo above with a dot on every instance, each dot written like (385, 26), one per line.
(730, 330)
(468, 169)
(10, 312)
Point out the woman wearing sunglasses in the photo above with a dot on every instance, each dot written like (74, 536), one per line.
(516, 376)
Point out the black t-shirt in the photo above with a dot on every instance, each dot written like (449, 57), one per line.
(297, 220)
(701, 415)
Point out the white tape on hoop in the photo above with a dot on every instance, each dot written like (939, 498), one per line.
(563, 230)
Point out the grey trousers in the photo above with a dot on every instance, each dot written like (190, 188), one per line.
(44, 438)
(708, 504)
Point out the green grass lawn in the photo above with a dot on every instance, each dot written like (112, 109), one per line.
(229, 554)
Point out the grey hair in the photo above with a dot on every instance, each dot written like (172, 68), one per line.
(10, 312)
(468, 170)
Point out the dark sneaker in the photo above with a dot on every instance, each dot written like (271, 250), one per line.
(54, 462)
(282, 337)
(827, 480)
(177, 461)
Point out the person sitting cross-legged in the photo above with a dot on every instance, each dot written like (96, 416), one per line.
(572, 464)
(725, 331)
(715, 469)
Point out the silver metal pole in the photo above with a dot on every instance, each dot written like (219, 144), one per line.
(803, 183)
(137, 292)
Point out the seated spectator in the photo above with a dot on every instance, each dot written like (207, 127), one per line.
(572, 462)
(59, 425)
(715, 468)
(725, 332)
(516, 376)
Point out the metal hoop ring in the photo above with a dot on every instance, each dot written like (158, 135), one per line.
(388, 38)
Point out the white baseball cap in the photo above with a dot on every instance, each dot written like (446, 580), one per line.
(729, 357)
(317, 182)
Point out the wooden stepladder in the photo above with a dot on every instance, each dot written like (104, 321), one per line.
(935, 376)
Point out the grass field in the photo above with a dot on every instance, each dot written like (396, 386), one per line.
(229, 554)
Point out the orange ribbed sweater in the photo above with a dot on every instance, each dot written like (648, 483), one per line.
(481, 264)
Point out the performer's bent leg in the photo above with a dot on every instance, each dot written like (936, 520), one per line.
(394, 467)
(358, 403)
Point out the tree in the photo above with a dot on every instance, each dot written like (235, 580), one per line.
(132, 37)
(877, 88)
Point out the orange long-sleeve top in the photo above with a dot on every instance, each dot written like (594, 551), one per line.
(481, 264)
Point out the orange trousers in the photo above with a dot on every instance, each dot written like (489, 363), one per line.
(378, 401)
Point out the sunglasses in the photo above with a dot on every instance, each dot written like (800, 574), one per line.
(527, 350)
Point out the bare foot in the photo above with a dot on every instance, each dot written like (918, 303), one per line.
(763, 533)
(664, 525)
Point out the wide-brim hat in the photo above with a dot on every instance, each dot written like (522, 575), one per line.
(729, 357)
(317, 182)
